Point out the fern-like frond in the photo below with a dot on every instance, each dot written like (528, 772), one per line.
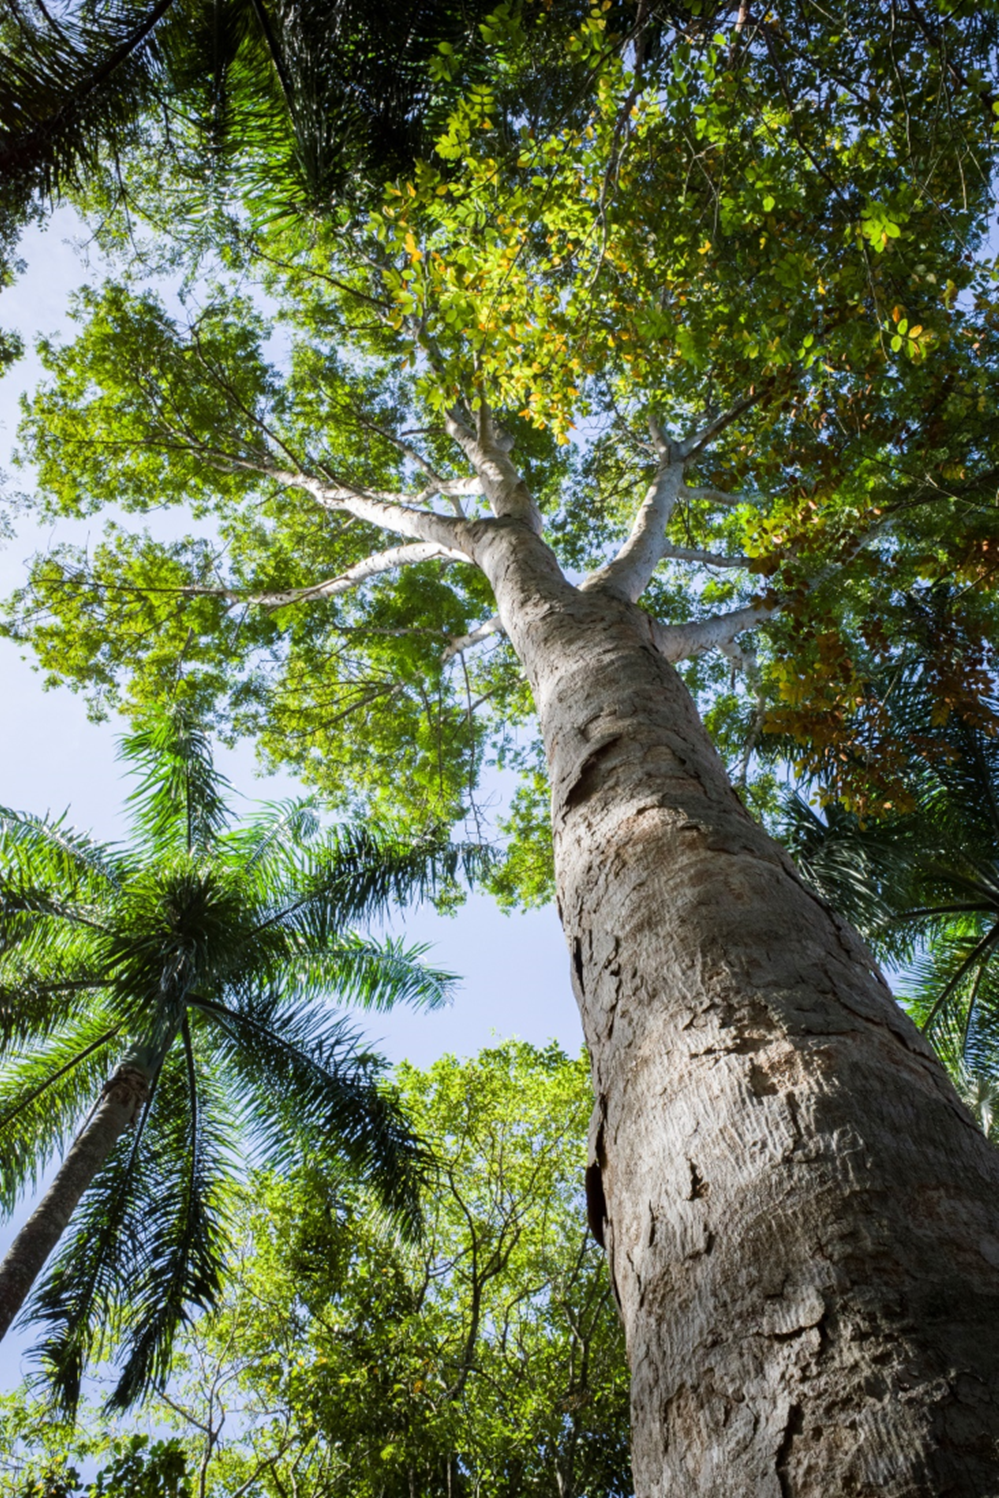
(56, 853)
(944, 986)
(306, 1088)
(355, 873)
(179, 803)
(45, 1092)
(353, 969)
(184, 1183)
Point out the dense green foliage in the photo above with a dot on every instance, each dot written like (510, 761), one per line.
(781, 222)
(206, 954)
(487, 1358)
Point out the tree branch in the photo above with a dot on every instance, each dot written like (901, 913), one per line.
(704, 558)
(628, 575)
(372, 566)
(679, 642)
(488, 451)
(699, 440)
(389, 511)
(461, 643)
(716, 496)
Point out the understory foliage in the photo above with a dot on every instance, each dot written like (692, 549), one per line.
(771, 231)
(208, 954)
(345, 1363)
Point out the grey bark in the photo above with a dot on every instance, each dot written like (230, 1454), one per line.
(123, 1099)
(801, 1218)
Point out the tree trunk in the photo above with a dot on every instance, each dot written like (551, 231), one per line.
(124, 1097)
(801, 1218)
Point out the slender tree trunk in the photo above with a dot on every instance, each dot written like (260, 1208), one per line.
(124, 1097)
(801, 1218)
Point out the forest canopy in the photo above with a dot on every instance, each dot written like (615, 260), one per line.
(774, 236)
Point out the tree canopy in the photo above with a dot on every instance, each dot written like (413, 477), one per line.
(761, 249)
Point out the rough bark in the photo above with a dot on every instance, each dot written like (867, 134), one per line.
(801, 1219)
(123, 1099)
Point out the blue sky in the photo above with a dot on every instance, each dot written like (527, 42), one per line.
(513, 968)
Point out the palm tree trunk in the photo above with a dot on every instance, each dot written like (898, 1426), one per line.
(124, 1097)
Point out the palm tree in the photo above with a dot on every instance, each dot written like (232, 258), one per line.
(923, 887)
(177, 989)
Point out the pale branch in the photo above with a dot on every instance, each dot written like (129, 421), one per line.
(743, 657)
(488, 450)
(716, 496)
(631, 570)
(372, 566)
(660, 441)
(679, 642)
(629, 574)
(461, 643)
(382, 508)
(452, 490)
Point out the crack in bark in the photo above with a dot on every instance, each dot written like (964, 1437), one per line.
(588, 779)
(577, 964)
(596, 1203)
(698, 1185)
(793, 1427)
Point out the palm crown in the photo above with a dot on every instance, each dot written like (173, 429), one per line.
(200, 960)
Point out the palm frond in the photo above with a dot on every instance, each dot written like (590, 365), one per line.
(72, 89)
(276, 831)
(183, 1221)
(944, 986)
(860, 873)
(358, 970)
(980, 1090)
(307, 1089)
(44, 1093)
(358, 872)
(179, 802)
(55, 852)
(33, 1005)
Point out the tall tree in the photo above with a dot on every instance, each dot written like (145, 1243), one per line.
(178, 990)
(750, 266)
